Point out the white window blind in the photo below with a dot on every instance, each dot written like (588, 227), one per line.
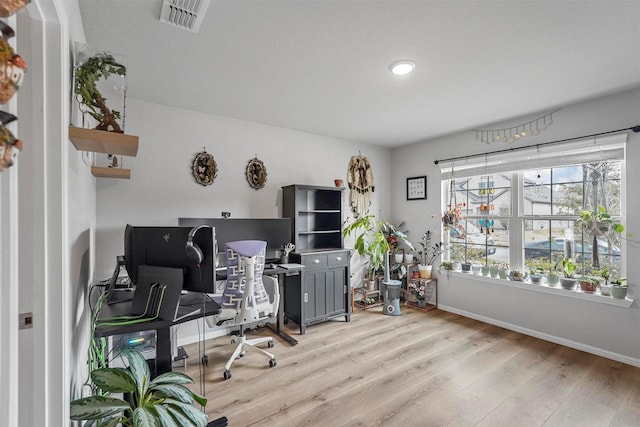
(610, 147)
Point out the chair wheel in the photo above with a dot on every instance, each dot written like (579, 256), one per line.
(242, 353)
(272, 363)
(270, 344)
(205, 360)
(227, 375)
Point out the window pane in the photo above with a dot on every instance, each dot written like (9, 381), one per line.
(473, 241)
(537, 200)
(566, 174)
(567, 199)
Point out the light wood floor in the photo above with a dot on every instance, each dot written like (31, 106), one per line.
(418, 369)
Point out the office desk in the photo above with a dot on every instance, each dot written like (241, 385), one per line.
(281, 272)
(162, 327)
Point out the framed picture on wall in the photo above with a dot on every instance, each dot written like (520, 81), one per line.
(417, 188)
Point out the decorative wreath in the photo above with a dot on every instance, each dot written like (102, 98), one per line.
(204, 168)
(256, 173)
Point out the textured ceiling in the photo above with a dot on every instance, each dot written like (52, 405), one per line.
(322, 66)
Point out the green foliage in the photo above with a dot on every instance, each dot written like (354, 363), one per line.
(429, 252)
(87, 75)
(568, 265)
(163, 401)
(372, 239)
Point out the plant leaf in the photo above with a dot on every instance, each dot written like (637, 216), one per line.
(197, 417)
(139, 370)
(96, 407)
(171, 378)
(179, 417)
(118, 380)
(164, 417)
(175, 391)
(143, 417)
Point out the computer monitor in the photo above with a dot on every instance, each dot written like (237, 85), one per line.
(165, 247)
(275, 231)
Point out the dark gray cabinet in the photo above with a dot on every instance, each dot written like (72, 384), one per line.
(321, 292)
(316, 216)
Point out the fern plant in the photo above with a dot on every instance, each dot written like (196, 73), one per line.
(163, 401)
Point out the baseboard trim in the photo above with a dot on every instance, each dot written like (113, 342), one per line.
(551, 338)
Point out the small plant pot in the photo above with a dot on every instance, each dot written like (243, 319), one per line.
(619, 292)
(494, 271)
(486, 270)
(408, 259)
(587, 286)
(477, 269)
(605, 290)
(567, 283)
(503, 273)
(422, 303)
(552, 279)
(456, 266)
(425, 271)
(537, 279)
(466, 267)
(398, 258)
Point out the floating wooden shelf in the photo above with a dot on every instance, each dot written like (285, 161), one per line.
(110, 172)
(100, 141)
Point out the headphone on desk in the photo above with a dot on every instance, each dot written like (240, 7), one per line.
(193, 251)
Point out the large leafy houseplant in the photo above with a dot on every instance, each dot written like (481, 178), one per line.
(372, 239)
(163, 401)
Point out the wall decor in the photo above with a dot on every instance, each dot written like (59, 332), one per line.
(360, 180)
(256, 173)
(9, 7)
(12, 66)
(204, 168)
(10, 146)
(417, 188)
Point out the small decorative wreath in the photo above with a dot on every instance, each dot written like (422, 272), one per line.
(256, 173)
(204, 168)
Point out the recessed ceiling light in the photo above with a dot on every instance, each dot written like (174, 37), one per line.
(400, 68)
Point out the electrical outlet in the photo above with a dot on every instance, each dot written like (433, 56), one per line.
(26, 321)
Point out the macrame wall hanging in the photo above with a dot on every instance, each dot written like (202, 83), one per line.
(360, 180)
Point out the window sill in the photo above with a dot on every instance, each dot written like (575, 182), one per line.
(576, 294)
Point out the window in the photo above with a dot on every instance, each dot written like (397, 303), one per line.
(526, 213)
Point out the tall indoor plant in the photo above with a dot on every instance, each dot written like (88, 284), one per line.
(371, 236)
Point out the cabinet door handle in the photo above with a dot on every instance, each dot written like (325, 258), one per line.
(306, 297)
(338, 258)
(316, 261)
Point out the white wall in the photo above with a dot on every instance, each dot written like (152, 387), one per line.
(162, 187)
(598, 328)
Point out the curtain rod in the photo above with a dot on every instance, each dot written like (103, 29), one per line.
(633, 128)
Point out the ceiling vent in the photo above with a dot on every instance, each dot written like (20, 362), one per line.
(186, 14)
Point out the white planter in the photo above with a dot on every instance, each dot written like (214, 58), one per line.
(425, 271)
(398, 258)
(408, 258)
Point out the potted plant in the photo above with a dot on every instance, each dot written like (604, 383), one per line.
(371, 240)
(605, 273)
(162, 401)
(428, 254)
(568, 266)
(588, 284)
(517, 276)
(619, 288)
(503, 270)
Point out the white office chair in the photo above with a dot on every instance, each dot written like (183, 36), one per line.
(245, 300)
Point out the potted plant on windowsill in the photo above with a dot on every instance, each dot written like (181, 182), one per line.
(588, 284)
(619, 288)
(568, 265)
(605, 273)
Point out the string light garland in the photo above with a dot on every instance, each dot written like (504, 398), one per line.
(514, 133)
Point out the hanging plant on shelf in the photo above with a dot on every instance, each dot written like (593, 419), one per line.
(98, 67)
